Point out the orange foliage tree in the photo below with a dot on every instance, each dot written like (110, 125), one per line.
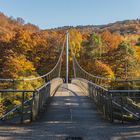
(110, 40)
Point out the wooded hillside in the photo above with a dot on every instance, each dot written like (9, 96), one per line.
(28, 51)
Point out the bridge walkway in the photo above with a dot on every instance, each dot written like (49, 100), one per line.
(70, 115)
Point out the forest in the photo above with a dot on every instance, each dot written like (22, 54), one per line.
(111, 50)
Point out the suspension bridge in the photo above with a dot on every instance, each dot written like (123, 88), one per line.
(86, 107)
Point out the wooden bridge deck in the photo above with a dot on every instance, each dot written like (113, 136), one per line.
(70, 114)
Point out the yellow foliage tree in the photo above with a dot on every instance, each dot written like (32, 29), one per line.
(75, 40)
(22, 42)
(16, 65)
(103, 69)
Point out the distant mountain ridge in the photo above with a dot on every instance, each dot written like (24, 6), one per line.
(10, 25)
(122, 27)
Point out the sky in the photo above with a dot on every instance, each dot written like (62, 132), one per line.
(56, 13)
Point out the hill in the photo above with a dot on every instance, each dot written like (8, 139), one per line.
(121, 27)
(39, 48)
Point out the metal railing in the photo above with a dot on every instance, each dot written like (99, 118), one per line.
(117, 99)
(114, 104)
(42, 95)
(18, 110)
(31, 106)
(28, 101)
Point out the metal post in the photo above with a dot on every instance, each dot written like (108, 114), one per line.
(22, 108)
(121, 107)
(67, 57)
(111, 108)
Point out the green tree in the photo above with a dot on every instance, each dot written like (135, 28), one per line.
(93, 47)
(123, 61)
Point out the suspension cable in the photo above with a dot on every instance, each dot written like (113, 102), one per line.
(75, 61)
(42, 76)
(89, 74)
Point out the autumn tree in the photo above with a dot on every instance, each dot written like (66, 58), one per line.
(93, 46)
(138, 42)
(2, 107)
(20, 20)
(102, 69)
(3, 20)
(15, 65)
(75, 40)
(123, 61)
(110, 40)
(22, 42)
(31, 28)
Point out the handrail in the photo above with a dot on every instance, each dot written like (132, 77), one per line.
(11, 90)
(46, 84)
(124, 91)
(127, 110)
(98, 87)
(103, 78)
(99, 77)
(110, 91)
(14, 109)
(37, 90)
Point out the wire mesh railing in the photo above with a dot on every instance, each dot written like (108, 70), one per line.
(30, 102)
(23, 95)
(116, 98)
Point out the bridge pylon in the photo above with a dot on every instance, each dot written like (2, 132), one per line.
(67, 57)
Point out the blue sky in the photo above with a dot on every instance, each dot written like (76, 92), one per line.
(54, 13)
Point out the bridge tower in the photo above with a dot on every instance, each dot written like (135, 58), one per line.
(67, 57)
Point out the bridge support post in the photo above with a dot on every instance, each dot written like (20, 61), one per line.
(22, 108)
(111, 109)
(67, 57)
